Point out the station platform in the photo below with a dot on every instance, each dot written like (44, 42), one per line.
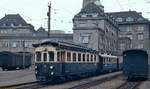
(17, 77)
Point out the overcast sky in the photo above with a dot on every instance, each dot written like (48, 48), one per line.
(35, 11)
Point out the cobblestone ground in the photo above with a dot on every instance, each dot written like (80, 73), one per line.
(145, 85)
(112, 84)
(16, 77)
(79, 82)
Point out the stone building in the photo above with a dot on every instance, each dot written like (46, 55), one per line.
(94, 28)
(123, 44)
(17, 35)
(134, 26)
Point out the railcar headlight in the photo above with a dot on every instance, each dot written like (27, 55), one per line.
(51, 67)
(35, 72)
(52, 73)
(35, 67)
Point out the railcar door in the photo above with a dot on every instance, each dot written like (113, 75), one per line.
(63, 57)
(100, 64)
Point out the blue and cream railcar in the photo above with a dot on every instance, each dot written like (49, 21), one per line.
(55, 60)
(110, 63)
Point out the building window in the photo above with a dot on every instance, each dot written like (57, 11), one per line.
(122, 46)
(129, 19)
(140, 36)
(119, 19)
(140, 46)
(14, 44)
(130, 36)
(128, 29)
(83, 15)
(82, 25)
(85, 38)
(140, 28)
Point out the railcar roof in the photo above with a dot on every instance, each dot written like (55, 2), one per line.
(138, 50)
(66, 45)
(106, 55)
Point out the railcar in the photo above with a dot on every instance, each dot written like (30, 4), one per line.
(55, 60)
(61, 60)
(110, 63)
(135, 64)
(14, 60)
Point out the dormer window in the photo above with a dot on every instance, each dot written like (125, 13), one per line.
(12, 24)
(129, 19)
(20, 25)
(4, 24)
(119, 19)
(83, 15)
(140, 19)
(89, 16)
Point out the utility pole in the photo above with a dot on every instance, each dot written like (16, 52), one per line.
(49, 18)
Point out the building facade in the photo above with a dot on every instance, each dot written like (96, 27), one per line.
(17, 35)
(134, 26)
(94, 28)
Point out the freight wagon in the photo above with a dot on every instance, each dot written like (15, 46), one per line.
(14, 60)
(135, 64)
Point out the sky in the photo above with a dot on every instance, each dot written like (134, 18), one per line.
(35, 11)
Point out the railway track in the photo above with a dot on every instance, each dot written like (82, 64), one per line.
(39, 85)
(20, 86)
(95, 82)
(130, 85)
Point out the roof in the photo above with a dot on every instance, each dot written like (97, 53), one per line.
(14, 20)
(137, 17)
(37, 37)
(66, 45)
(135, 50)
(41, 29)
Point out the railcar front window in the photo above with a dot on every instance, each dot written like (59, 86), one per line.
(38, 56)
(51, 56)
(45, 57)
(58, 56)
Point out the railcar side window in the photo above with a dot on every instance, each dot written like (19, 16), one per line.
(51, 56)
(58, 56)
(83, 57)
(45, 57)
(74, 56)
(79, 56)
(94, 57)
(38, 56)
(63, 56)
(68, 56)
(87, 57)
(91, 57)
